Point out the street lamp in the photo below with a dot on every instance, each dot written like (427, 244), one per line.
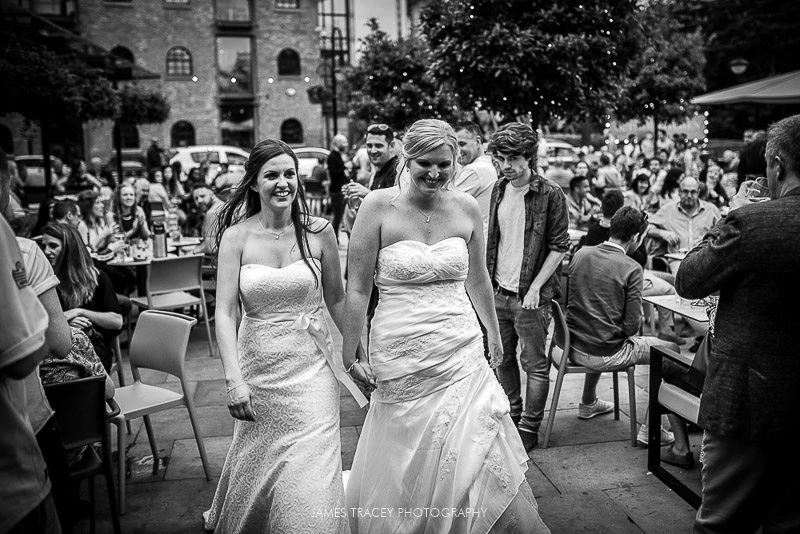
(334, 31)
(738, 65)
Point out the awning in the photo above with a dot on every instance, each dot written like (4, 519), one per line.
(780, 89)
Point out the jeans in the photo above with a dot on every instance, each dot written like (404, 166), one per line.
(529, 329)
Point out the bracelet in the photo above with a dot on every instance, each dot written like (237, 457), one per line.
(351, 366)
(236, 387)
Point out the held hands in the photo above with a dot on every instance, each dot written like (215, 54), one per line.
(239, 402)
(361, 372)
(495, 354)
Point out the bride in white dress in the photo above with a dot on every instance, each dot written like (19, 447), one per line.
(283, 471)
(438, 452)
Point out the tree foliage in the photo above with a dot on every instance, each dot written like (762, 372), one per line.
(142, 106)
(42, 85)
(392, 82)
(550, 59)
(667, 72)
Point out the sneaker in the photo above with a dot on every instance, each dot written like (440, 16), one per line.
(598, 407)
(667, 437)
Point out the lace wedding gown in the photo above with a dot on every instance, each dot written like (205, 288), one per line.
(438, 452)
(283, 472)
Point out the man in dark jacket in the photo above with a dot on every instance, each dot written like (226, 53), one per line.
(751, 477)
(337, 173)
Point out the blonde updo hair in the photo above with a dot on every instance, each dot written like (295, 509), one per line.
(424, 136)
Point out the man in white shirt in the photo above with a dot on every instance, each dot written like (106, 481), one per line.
(478, 175)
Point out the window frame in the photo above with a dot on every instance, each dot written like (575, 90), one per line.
(299, 63)
(178, 76)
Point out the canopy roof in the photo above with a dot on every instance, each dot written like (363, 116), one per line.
(780, 89)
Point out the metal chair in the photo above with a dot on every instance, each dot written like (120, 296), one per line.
(166, 285)
(668, 398)
(560, 349)
(159, 343)
(80, 411)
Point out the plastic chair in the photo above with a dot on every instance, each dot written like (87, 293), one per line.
(668, 398)
(80, 411)
(159, 343)
(560, 350)
(167, 283)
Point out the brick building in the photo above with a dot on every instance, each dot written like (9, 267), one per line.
(234, 71)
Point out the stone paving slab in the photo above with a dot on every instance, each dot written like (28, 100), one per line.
(585, 512)
(184, 461)
(654, 508)
(593, 467)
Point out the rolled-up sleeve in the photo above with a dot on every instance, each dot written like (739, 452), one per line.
(557, 222)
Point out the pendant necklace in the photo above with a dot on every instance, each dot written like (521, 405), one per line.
(274, 233)
(428, 217)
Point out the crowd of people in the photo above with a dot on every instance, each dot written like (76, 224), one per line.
(458, 246)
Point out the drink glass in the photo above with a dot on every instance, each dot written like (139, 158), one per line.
(758, 191)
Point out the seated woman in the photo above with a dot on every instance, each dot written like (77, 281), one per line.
(81, 362)
(127, 215)
(86, 293)
(98, 231)
(158, 197)
(638, 196)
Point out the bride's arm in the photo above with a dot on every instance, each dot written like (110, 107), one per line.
(332, 288)
(479, 286)
(361, 257)
(227, 311)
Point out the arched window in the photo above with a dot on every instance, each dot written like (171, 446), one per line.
(288, 63)
(179, 62)
(292, 132)
(182, 134)
(122, 53)
(129, 135)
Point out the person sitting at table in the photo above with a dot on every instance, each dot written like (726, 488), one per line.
(98, 230)
(639, 196)
(210, 205)
(142, 188)
(665, 191)
(67, 211)
(715, 193)
(604, 311)
(679, 226)
(86, 293)
(581, 204)
(655, 283)
(129, 217)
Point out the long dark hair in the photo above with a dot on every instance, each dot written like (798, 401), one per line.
(245, 203)
(74, 267)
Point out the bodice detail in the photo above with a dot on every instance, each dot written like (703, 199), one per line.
(415, 262)
(288, 291)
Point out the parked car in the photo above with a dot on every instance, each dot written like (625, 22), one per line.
(307, 158)
(31, 171)
(561, 153)
(221, 158)
(133, 164)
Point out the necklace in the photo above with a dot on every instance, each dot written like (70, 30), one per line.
(273, 232)
(428, 217)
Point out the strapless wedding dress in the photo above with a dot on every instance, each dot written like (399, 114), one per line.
(438, 452)
(283, 472)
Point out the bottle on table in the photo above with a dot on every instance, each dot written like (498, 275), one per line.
(159, 239)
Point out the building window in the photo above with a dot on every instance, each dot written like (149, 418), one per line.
(233, 10)
(292, 132)
(179, 62)
(129, 135)
(182, 134)
(288, 63)
(122, 53)
(287, 4)
(63, 8)
(233, 65)
(237, 125)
